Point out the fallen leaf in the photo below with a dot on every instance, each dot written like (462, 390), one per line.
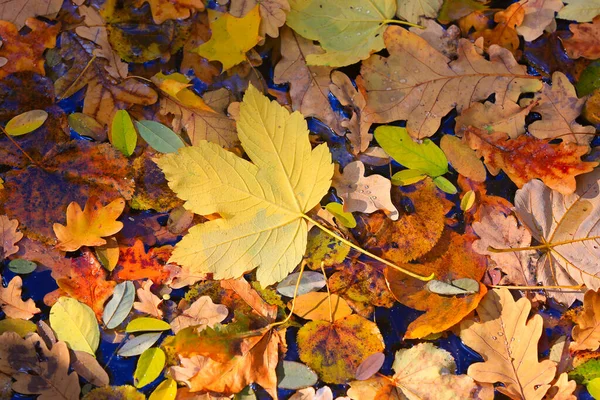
(562, 389)
(124, 392)
(163, 10)
(455, 9)
(18, 11)
(365, 194)
(504, 33)
(539, 16)
(462, 158)
(273, 14)
(88, 367)
(586, 334)
(26, 122)
(119, 306)
(309, 84)
(323, 248)
(136, 264)
(74, 323)
(336, 350)
(227, 184)
(149, 367)
(517, 158)
(507, 341)
(9, 236)
(36, 369)
(25, 53)
(580, 10)
(88, 227)
(452, 258)
(316, 306)
(248, 295)
(202, 68)
(348, 31)
(200, 314)
(411, 10)
(431, 85)
(11, 303)
(444, 40)
(148, 303)
(231, 37)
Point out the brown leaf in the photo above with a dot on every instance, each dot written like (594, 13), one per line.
(504, 33)
(362, 193)
(526, 158)
(562, 389)
(9, 236)
(508, 344)
(586, 334)
(11, 303)
(309, 85)
(201, 313)
(88, 367)
(204, 69)
(444, 40)
(462, 158)
(18, 11)
(316, 306)
(418, 84)
(452, 258)
(585, 41)
(242, 288)
(148, 303)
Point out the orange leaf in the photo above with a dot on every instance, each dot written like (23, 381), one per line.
(586, 334)
(25, 53)
(315, 306)
(87, 283)
(585, 41)
(87, 227)
(11, 303)
(452, 258)
(526, 158)
(135, 263)
(504, 33)
(9, 236)
(163, 10)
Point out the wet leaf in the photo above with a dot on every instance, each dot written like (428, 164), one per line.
(89, 369)
(149, 366)
(148, 303)
(370, 366)
(18, 11)
(504, 33)
(539, 15)
(315, 306)
(11, 303)
(75, 323)
(27, 122)
(163, 10)
(19, 326)
(166, 390)
(586, 334)
(120, 305)
(294, 375)
(411, 10)
(87, 126)
(136, 264)
(138, 344)
(9, 236)
(580, 10)
(462, 158)
(310, 282)
(123, 134)
(159, 137)
(336, 350)
(146, 324)
(344, 218)
(124, 392)
(321, 247)
(200, 314)
(273, 14)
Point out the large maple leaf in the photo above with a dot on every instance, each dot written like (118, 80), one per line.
(418, 84)
(567, 228)
(262, 204)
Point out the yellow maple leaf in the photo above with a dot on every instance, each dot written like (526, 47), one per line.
(88, 227)
(263, 204)
(231, 37)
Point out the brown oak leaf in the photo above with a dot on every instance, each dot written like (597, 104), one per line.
(148, 303)
(585, 41)
(11, 303)
(586, 334)
(9, 236)
(201, 313)
(18, 11)
(539, 15)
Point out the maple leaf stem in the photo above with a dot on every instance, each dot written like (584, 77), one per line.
(271, 326)
(578, 287)
(398, 22)
(367, 253)
(20, 148)
(328, 292)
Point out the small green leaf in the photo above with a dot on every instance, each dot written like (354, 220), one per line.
(594, 388)
(139, 344)
(75, 323)
(159, 137)
(586, 372)
(85, 125)
(345, 218)
(120, 304)
(149, 367)
(20, 266)
(27, 122)
(426, 157)
(407, 177)
(589, 79)
(147, 324)
(166, 390)
(294, 375)
(468, 200)
(445, 185)
(123, 135)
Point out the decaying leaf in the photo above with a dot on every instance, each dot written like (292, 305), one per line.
(504, 33)
(9, 236)
(11, 303)
(272, 14)
(586, 334)
(411, 10)
(163, 10)
(317, 306)
(148, 303)
(18, 11)
(258, 201)
(201, 313)
(443, 40)
(462, 158)
(506, 340)
(539, 15)
(584, 42)
(430, 85)
(135, 263)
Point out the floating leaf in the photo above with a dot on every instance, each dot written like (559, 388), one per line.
(119, 306)
(148, 303)
(75, 323)
(145, 324)
(124, 392)
(136, 264)
(316, 306)
(310, 282)
(454, 288)
(11, 303)
(149, 367)
(586, 334)
(166, 390)
(370, 366)
(27, 122)
(200, 314)
(294, 375)
(9, 236)
(138, 344)
(344, 218)
(159, 137)
(20, 266)
(580, 10)
(123, 134)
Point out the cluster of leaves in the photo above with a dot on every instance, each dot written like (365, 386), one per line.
(178, 215)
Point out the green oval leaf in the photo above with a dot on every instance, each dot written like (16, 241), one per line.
(149, 367)
(19, 326)
(123, 135)
(27, 122)
(159, 137)
(468, 200)
(85, 125)
(75, 323)
(146, 324)
(139, 344)
(445, 185)
(345, 218)
(294, 375)
(20, 266)
(166, 390)
(426, 157)
(407, 177)
(120, 304)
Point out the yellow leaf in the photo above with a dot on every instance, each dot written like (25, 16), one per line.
(231, 37)
(316, 306)
(262, 204)
(88, 227)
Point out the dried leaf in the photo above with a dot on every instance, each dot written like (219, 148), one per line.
(201, 313)
(9, 236)
(539, 16)
(18, 11)
(586, 334)
(462, 158)
(504, 33)
(507, 341)
(562, 389)
(11, 303)
(148, 303)
(88, 368)
(444, 40)
(580, 10)
(124, 392)
(411, 10)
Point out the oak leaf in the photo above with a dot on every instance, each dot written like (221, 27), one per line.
(286, 180)
(18, 11)
(36, 369)
(231, 37)
(430, 86)
(444, 40)
(452, 258)
(539, 15)
(136, 264)
(504, 33)
(567, 228)
(507, 341)
(586, 334)
(562, 389)
(273, 14)
(365, 194)
(521, 158)
(11, 303)
(88, 227)
(584, 42)
(25, 52)
(201, 313)
(9, 236)
(148, 303)
(163, 10)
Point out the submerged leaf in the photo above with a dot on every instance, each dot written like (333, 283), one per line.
(27, 122)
